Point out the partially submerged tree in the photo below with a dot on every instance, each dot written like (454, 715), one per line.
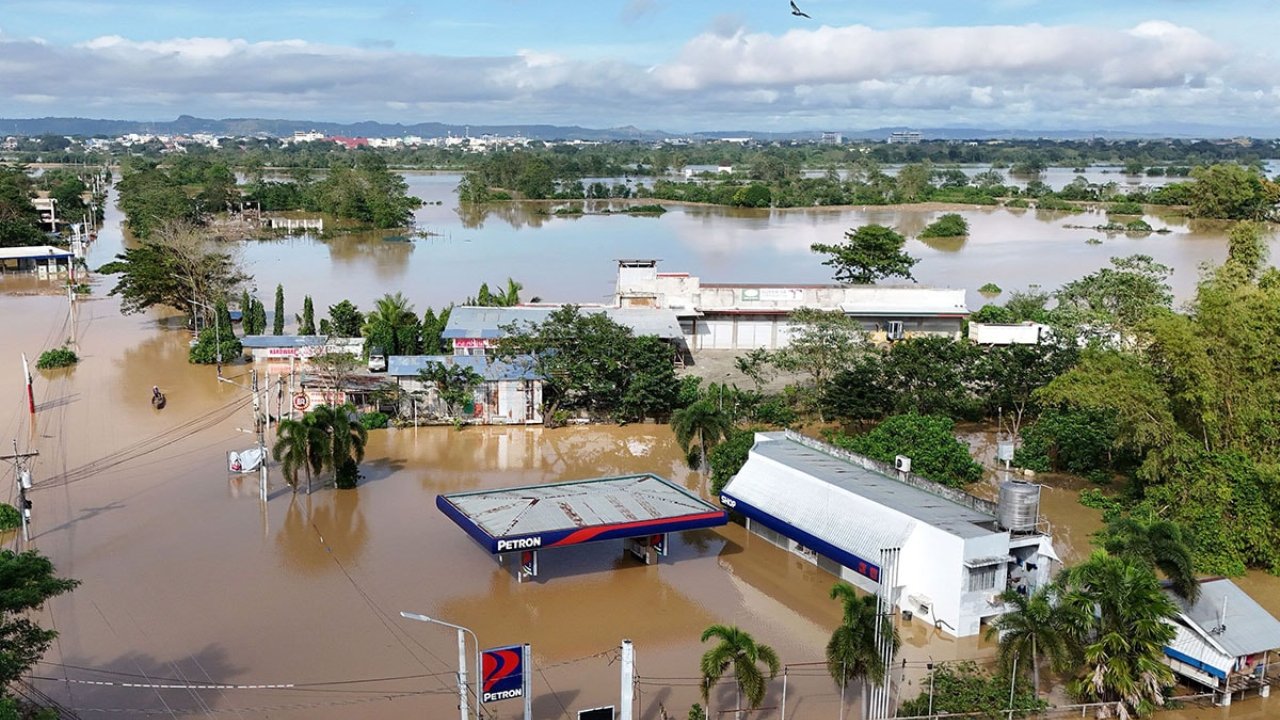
(392, 326)
(180, 267)
(870, 253)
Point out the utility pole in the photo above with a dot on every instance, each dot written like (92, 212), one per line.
(23, 477)
(626, 704)
(260, 424)
(31, 396)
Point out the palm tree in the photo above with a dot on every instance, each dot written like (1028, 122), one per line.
(345, 439)
(739, 651)
(1124, 638)
(852, 653)
(300, 445)
(1161, 545)
(1037, 626)
(392, 325)
(701, 421)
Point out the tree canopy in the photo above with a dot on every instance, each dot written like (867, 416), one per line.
(870, 253)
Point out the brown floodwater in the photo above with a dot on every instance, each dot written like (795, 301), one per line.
(187, 577)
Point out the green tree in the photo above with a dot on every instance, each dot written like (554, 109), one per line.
(455, 384)
(964, 688)
(934, 376)
(259, 317)
(345, 440)
(852, 652)
(822, 343)
(699, 428)
(433, 326)
(300, 445)
(393, 326)
(728, 457)
(1232, 192)
(1125, 633)
(739, 653)
(345, 321)
(860, 391)
(277, 322)
(27, 580)
(1116, 299)
(1161, 545)
(307, 323)
(207, 351)
(19, 219)
(948, 225)
(1035, 627)
(179, 268)
(927, 439)
(870, 253)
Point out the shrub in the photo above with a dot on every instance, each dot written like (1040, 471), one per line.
(990, 289)
(9, 517)
(728, 457)
(949, 225)
(1056, 204)
(57, 358)
(935, 452)
(1019, 203)
(1137, 226)
(1074, 441)
(1126, 207)
(205, 351)
(963, 687)
(374, 420)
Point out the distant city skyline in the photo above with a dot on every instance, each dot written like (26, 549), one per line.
(654, 64)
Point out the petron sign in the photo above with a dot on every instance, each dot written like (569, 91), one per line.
(505, 673)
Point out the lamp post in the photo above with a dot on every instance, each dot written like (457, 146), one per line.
(462, 660)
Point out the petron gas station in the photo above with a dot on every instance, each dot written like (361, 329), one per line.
(524, 521)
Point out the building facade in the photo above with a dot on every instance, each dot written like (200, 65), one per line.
(511, 393)
(745, 316)
(475, 330)
(1226, 642)
(938, 553)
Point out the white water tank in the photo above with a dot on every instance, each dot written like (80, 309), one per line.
(1019, 506)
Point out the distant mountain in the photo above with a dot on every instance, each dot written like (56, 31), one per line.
(186, 124)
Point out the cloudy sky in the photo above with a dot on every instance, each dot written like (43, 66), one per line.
(679, 65)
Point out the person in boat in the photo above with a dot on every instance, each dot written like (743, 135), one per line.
(155, 392)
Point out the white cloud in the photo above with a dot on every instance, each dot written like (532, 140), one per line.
(1030, 75)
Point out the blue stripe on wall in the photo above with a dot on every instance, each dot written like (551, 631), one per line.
(863, 567)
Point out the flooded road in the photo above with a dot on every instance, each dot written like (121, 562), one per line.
(189, 579)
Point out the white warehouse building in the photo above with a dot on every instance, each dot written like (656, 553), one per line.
(745, 316)
(938, 553)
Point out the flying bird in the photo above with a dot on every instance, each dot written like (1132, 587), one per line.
(797, 12)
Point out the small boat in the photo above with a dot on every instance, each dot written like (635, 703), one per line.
(158, 401)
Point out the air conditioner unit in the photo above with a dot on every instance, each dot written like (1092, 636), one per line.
(902, 463)
(894, 330)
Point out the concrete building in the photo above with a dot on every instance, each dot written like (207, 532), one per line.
(43, 260)
(743, 316)
(510, 395)
(905, 137)
(297, 348)
(940, 554)
(1224, 641)
(474, 330)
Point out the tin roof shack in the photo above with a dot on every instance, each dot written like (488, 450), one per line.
(43, 260)
(368, 393)
(473, 330)
(511, 393)
(743, 316)
(1225, 641)
(939, 553)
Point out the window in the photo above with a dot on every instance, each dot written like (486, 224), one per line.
(983, 578)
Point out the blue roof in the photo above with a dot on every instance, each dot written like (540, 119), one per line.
(282, 341)
(409, 365)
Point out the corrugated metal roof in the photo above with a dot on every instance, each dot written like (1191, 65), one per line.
(904, 301)
(1195, 650)
(819, 508)
(409, 365)
(838, 478)
(33, 252)
(1245, 629)
(537, 509)
(487, 322)
(259, 342)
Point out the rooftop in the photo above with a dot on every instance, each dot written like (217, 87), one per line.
(33, 251)
(409, 365)
(581, 510)
(487, 322)
(282, 341)
(938, 511)
(1245, 628)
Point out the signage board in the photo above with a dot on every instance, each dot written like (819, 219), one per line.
(503, 673)
(602, 713)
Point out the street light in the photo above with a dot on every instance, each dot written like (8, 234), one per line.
(462, 660)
